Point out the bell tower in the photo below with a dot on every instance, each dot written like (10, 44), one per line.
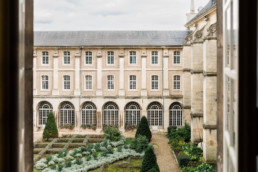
(192, 13)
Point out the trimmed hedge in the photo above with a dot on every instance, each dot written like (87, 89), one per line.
(50, 130)
(149, 162)
(144, 129)
(183, 160)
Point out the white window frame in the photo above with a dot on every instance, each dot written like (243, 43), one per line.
(175, 115)
(88, 83)
(132, 81)
(44, 109)
(155, 55)
(42, 84)
(110, 56)
(89, 114)
(176, 57)
(67, 114)
(110, 110)
(88, 54)
(110, 82)
(132, 55)
(64, 82)
(132, 113)
(176, 82)
(45, 54)
(66, 56)
(155, 114)
(154, 89)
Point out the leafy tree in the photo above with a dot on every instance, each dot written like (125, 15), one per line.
(149, 162)
(144, 129)
(50, 130)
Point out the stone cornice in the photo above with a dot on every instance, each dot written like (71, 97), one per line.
(209, 73)
(196, 115)
(186, 70)
(210, 127)
(196, 71)
(186, 107)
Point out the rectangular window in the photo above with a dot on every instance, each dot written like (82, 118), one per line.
(154, 57)
(132, 82)
(132, 57)
(176, 57)
(45, 59)
(110, 82)
(176, 82)
(66, 57)
(88, 83)
(67, 82)
(44, 82)
(110, 57)
(154, 82)
(88, 58)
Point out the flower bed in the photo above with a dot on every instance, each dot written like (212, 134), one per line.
(89, 126)
(130, 127)
(67, 126)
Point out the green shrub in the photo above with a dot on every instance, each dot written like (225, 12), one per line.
(112, 133)
(149, 161)
(171, 129)
(144, 129)
(49, 158)
(68, 164)
(62, 154)
(183, 133)
(194, 152)
(97, 147)
(53, 167)
(78, 161)
(119, 149)
(205, 167)
(60, 167)
(139, 144)
(95, 155)
(183, 160)
(88, 158)
(50, 130)
(110, 151)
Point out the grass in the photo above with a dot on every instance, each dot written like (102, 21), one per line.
(35, 170)
(128, 141)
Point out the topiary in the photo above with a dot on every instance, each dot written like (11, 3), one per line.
(50, 130)
(183, 160)
(143, 129)
(149, 161)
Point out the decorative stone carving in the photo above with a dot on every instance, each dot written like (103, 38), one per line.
(188, 39)
(212, 31)
(198, 36)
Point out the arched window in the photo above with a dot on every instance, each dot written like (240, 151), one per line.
(89, 114)
(132, 113)
(175, 115)
(110, 114)
(155, 114)
(66, 113)
(44, 109)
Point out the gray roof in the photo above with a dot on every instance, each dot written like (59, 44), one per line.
(109, 38)
(207, 7)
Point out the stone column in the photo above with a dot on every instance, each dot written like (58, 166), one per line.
(165, 73)
(55, 90)
(121, 74)
(210, 99)
(186, 82)
(99, 74)
(144, 77)
(197, 91)
(77, 90)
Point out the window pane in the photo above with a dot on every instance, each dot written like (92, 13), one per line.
(88, 58)
(66, 57)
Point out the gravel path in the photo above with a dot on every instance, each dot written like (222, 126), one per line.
(165, 158)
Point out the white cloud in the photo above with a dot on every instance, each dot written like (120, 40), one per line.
(111, 14)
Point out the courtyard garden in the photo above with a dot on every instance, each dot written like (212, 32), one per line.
(189, 155)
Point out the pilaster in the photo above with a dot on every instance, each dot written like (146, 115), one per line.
(99, 74)
(144, 77)
(121, 91)
(77, 90)
(55, 90)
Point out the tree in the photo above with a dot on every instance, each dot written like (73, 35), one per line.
(50, 130)
(143, 129)
(149, 162)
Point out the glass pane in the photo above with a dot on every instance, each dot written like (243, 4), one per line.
(228, 37)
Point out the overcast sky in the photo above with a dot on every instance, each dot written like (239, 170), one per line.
(112, 14)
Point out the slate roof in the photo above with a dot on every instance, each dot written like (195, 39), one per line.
(109, 38)
(207, 7)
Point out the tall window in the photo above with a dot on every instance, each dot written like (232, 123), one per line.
(132, 79)
(154, 57)
(176, 82)
(45, 59)
(89, 114)
(155, 114)
(88, 83)
(110, 115)
(88, 58)
(132, 57)
(132, 114)
(110, 82)
(66, 114)
(66, 57)
(154, 82)
(175, 115)
(44, 81)
(176, 57)
(110, 57)
(67, 82)
(44, 109)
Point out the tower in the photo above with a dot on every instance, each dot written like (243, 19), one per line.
(192, 11)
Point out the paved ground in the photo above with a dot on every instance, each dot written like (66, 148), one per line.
(165, 158)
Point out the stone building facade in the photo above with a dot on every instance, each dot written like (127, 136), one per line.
(96, 78)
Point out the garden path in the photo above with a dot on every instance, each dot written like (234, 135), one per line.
(165, 158)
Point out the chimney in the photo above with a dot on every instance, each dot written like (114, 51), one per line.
(192, 11)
